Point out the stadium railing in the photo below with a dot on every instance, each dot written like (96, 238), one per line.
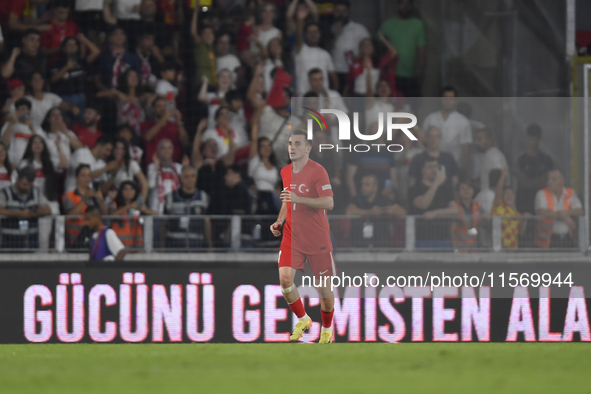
(250, 233)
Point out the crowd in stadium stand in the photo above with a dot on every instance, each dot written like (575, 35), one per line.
(162, 107)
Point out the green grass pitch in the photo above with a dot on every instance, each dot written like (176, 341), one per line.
(289, 368)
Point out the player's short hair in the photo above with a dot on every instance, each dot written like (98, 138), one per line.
(80, 168)
(304, 134)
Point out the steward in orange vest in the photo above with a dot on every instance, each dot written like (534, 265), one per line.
(545, 225)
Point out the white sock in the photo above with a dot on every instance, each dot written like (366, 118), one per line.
(326, 328)
(304, 318)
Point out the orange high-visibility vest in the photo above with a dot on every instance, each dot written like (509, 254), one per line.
(463, 239)
(544, 226)
(74, 225)
(129, 230)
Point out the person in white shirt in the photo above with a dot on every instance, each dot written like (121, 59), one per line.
(5, 168)
(238, 120)
(223, 87)
(127, 169)
(265, 32)
(309, 55)
(17, 131)
(121, 10)
(486, 197)
(42, 102)
(163, 176)
(164, 84)
(274, 59)
(378, 106)
(348, 35)
(493, 157)
(563, 210)
(222, 134)
(223, 58)
(262, 168)
(457, 133)
(94, 158)
(65, 140)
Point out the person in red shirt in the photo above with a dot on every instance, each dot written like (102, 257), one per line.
(88, 131)
(306, 196)
(167, 125)
(61, 27)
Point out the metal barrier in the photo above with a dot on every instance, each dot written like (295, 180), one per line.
(251, 233)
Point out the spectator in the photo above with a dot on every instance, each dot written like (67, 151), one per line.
(446, 161)
(128, 204)
(17, 131)
(122, 12)
(87, 131)
(167, 125)
(407, 34)
(223, 87)
(25, 61)
(493, 157)
(374, 228)
(348, 36)
(5, 168)
(560, 207)
(266, 31)
(274, 59)
(16, 88)
(127, 170)
(65, 140)
(455, 129)
(262, 168)
(369, 202)
(361, 71)
(22, 16)
(293, 10)
(94, 159)
(21, 206)
(533, 167)
(163, 176)
(503, 205)
(68, 75)
(309, 55)
(164, 86)
(243, 39)
(104, 244)
(381, 104)
(223, 135)
(151, 21)
(124, 132)
(381, 163)
(238, 119)
(204, 54)
(276, 119)
(114, 61)
(88, 14)
(432, 197)
(211, 171)
(476, 157)
(328, 98)
(186, 232)
(42, 102)
(61, 27)
(37, 157)
(224, 59)
(466, 234)
(150, 59)
(329, 160)
(238, 200)
(130, 100)
(486, 197)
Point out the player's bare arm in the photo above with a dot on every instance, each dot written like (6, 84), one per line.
(276, 227)
(317, 203)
